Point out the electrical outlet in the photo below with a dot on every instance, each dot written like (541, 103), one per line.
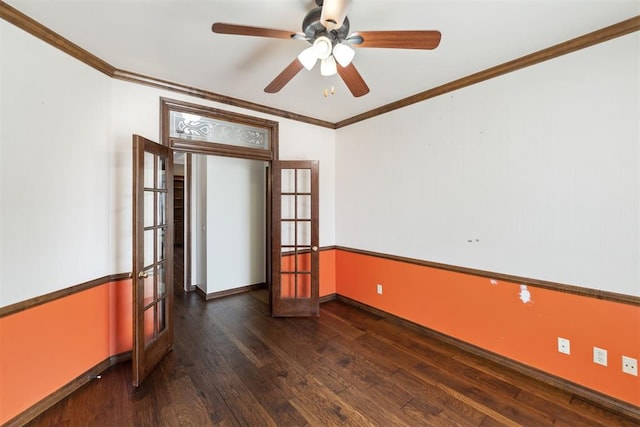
(630, 365)
(600, 356)
(379, 289)
(564, 345)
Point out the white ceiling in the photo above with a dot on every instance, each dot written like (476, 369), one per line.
(172, 40)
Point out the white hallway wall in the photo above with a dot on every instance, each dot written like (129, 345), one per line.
(235, 231)
(65, 171)
(534, 173)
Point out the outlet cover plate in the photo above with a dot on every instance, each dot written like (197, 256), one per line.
(379, 289)
(600, 356)
(564, 345)
(630, 365)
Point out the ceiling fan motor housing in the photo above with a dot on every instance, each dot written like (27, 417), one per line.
(313, 28)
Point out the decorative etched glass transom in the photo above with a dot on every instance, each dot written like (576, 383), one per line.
(191, 126)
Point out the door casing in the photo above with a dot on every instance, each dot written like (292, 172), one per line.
(197, 147)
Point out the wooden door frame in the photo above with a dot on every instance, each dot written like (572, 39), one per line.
(224, 150)
(147, 354)
(296, 305)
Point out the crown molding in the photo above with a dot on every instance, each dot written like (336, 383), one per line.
(36, 29)
(599, 36)
(40, 31)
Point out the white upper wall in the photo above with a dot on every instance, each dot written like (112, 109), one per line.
(534, 173)
(136, 110)
(538, 169)
(65, 166)
(54, 168)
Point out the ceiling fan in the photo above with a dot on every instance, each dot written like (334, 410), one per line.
(326, 27)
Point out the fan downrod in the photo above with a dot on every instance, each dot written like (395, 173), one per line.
(312, 27)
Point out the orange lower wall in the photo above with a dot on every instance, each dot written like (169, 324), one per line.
(45, 347)
(49, 345)
(327, 272)
(492, 316)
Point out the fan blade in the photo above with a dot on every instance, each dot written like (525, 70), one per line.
(284, 77)
(397, 39)
(245, 30)
(334, 12)
(353, 80)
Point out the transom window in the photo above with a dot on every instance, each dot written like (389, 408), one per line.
(192, 126)
(197, 129)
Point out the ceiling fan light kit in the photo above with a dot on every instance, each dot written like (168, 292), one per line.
(322, 47)
(344, 54)
(308, 58)
(328, 66)
(327, 29)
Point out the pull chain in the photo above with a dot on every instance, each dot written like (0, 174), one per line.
(326, 91)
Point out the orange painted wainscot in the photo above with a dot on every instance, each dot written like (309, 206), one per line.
(491, 314)
(47, 346)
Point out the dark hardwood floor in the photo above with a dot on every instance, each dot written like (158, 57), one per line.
(234, 365)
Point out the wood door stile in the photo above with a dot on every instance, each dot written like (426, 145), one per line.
(295, 257)
(152, 255)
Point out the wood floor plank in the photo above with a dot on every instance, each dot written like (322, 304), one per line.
(455, 409)
(374, 409)
(321, 407)
(510, 376)
(497, 415)
(243, 404)
(234, 365)
(434, 353)
(238, 338)
(275, 399)
(425, 413)
(363, 378)
(561, 415)
(601, 414)
(339, 325)
(186, 406)
(412, 338)
(506, 411)
(330, 378)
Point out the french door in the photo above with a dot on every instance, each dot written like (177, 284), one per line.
(295, 259)
(152, 255)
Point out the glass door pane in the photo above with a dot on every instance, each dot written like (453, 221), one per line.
(296, 281)
(152, 250)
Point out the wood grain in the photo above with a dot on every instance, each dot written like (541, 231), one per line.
(246, 30)
(234, 365)
(399, 39)
(354, 81)
(289, 72)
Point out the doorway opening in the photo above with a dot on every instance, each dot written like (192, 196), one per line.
(222, 196)
(289, 224)
(179, 223)
(226, 236)
(221, 139)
